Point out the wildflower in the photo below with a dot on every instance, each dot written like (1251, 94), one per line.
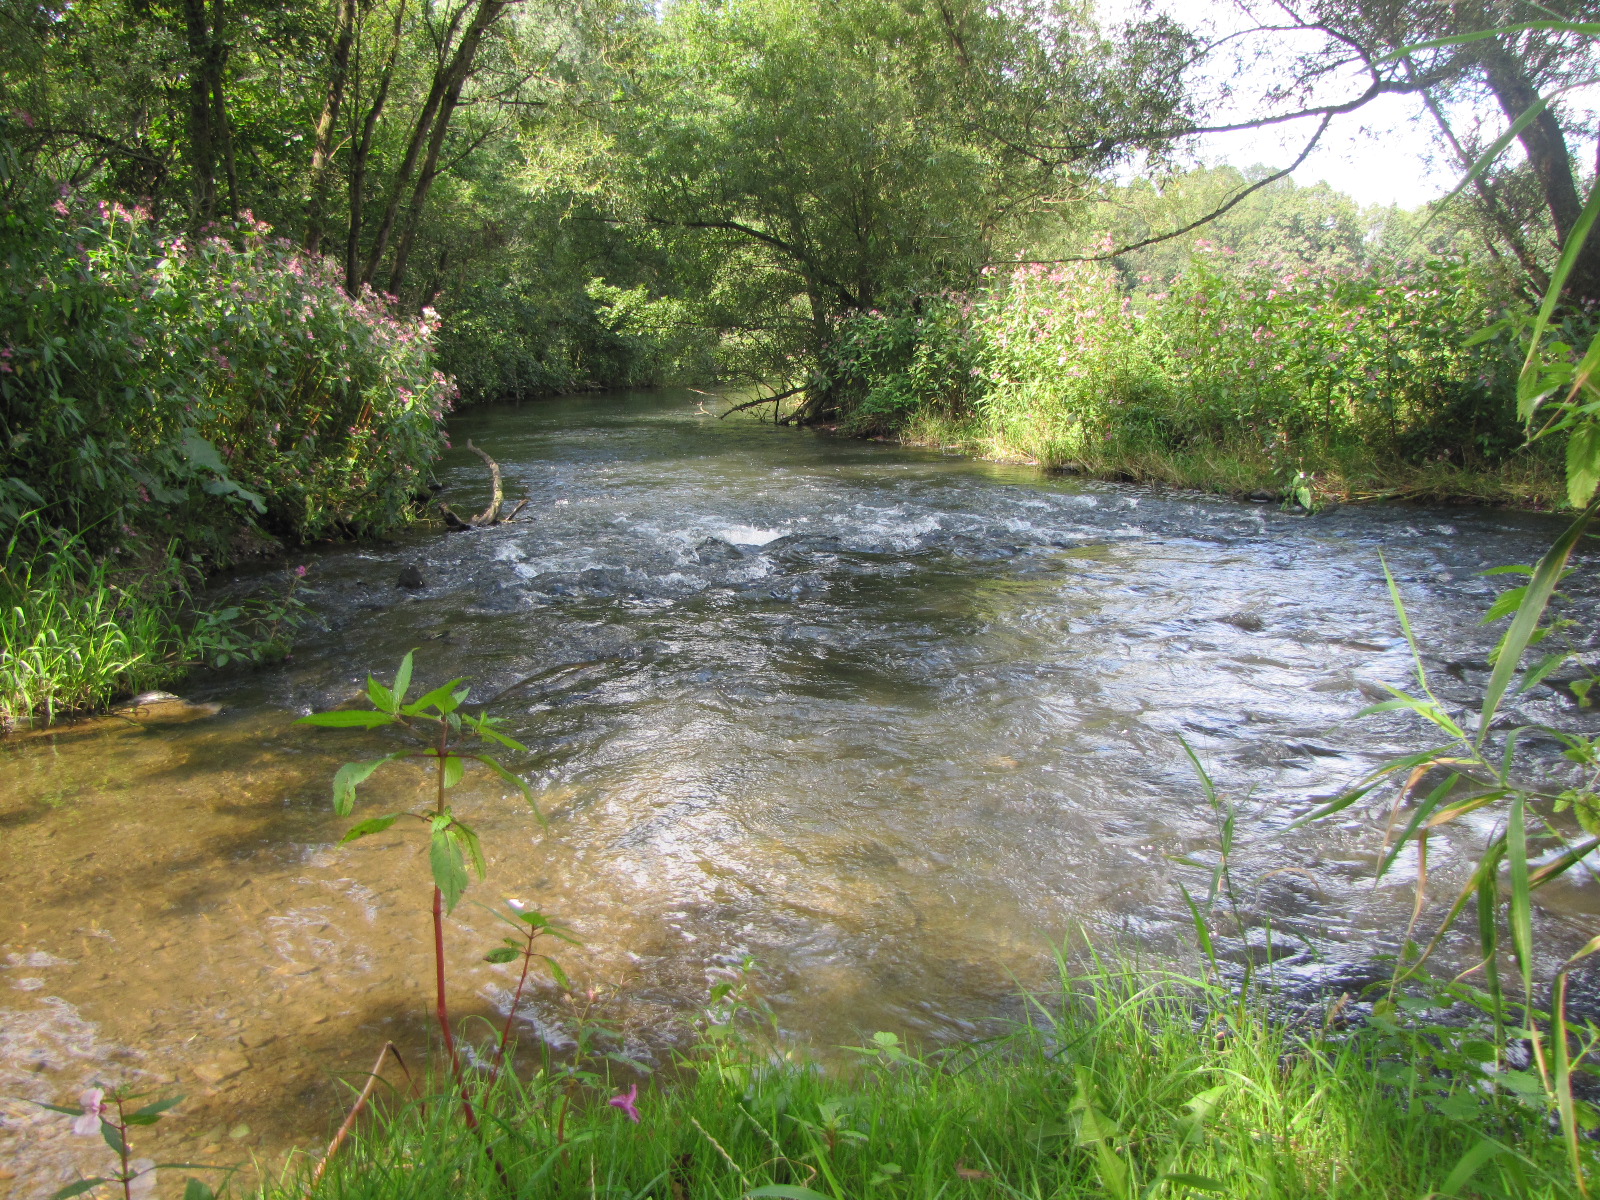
(300, 572)
(95, 1110)
(627, 1102)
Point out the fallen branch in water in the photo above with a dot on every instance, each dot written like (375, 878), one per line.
(759, 400)
(456, 523)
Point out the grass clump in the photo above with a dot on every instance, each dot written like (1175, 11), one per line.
(1130, 1084)
(79, 631)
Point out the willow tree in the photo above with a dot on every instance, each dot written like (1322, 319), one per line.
(820, 157)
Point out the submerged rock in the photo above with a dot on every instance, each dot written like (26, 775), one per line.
(411, 577)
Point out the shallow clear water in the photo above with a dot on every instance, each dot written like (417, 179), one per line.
(893, 723)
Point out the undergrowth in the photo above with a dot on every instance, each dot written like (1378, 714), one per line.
(1239, 467)
(80, 631)
(1127, 1083)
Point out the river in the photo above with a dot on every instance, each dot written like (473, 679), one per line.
(892, 723)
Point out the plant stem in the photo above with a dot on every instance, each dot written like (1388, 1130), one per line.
(516, 999)
(441, 1009)
(122, 1140)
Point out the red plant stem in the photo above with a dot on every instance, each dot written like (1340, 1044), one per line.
(516, 999)
(122, 1138)
(441, 1009)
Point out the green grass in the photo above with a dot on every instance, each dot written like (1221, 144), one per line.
(1339, 474)
(1132, 1085)
(73, 640)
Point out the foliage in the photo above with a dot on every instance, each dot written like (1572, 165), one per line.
(1127, 1084)
(816, 158)
(111, 1115)
(154, 386)
(1066, 366)
(80, 631)
(450, 738)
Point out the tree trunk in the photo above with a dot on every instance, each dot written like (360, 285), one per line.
(1551, 162)
(202, 142)
(408, 165)
(344, 34)
(217, 63)
(448, 82)
(358, 159)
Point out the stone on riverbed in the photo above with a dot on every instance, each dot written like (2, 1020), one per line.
(411, 577)
(221, 1068)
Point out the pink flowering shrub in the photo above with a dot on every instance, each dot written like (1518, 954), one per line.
(160, 386)
(1063, 360)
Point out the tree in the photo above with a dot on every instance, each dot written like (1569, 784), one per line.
(1349, 52)
(838, 155)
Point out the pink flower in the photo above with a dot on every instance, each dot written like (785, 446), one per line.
(300, 572)
(95, 1110)
(627, 1102)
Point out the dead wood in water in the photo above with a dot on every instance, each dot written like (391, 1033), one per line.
(456, 523)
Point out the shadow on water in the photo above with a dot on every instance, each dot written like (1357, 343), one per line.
(892, 723)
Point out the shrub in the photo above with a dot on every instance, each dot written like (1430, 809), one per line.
(1061, 363)
(163, 388)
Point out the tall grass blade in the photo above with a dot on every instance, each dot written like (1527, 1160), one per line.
(1546, 574)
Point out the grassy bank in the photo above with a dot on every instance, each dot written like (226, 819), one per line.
(1241, 468)
(80, 631)
(1243, 378)
(1128, 1084)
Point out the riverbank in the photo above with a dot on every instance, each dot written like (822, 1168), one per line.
(1126, 1084)
(1325, 474)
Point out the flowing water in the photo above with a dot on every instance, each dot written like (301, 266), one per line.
(890, 722)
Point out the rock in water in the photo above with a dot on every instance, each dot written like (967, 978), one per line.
(411, 577)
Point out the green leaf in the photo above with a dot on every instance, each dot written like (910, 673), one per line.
(77, 1189)
(381, 696)
(1536, 674)
(449, 868)
(1199, 1182)
(374, 825)
(454, 770)
(1480, 1152)
(557, 973)
(439, 698)
(195, 1189)
(1527, 381)
(486, 731)
(786, 1191)
(350, 776)
(68, 1110)
(348, 718)
(1583, 462)
(1504, 605)
(515, 781)
(112, 1136)
(1521, 915)
(468, 838)
(502, 954)
(402, 678)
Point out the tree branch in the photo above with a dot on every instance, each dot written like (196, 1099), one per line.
(1191, 226)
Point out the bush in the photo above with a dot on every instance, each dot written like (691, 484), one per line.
(163, 389)
(1062, 364)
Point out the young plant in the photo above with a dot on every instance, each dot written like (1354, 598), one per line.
(106, 1113)
(446, 739)
(530, 927)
